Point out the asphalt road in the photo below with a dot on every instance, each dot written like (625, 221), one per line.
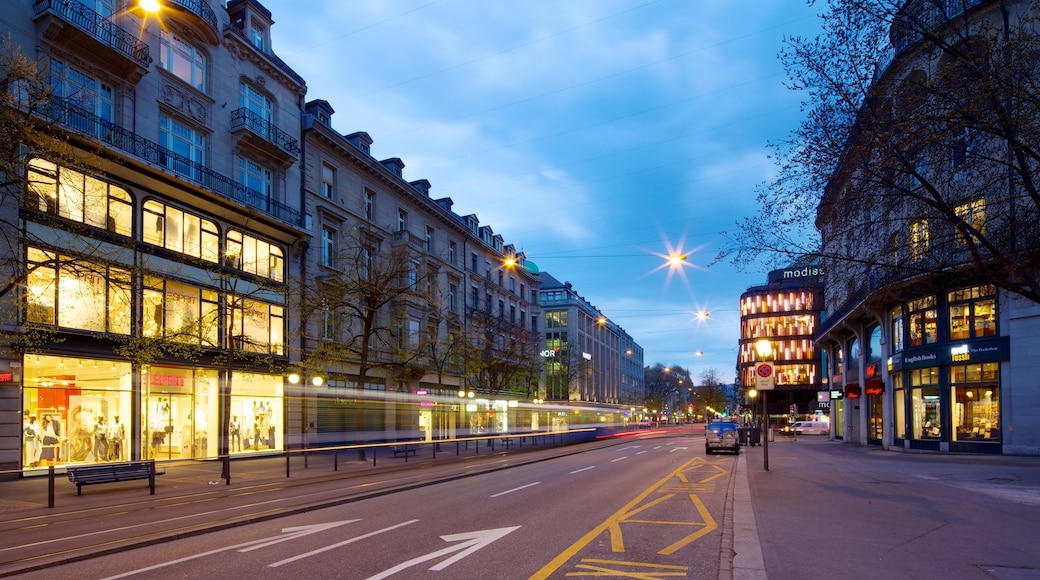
(643, 508)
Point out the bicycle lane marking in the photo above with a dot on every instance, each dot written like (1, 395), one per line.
(694, 477)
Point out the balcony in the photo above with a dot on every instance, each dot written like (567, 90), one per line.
(260, 133)
(72, 25)
(201, 10)
(82, 122)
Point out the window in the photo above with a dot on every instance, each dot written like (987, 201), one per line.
(257, 36)
(328, 247)
(918, 239)
(487, 302)
(256, 326)
(973, 214)
(328, 323)
(177, 230)
(257, 180)
(429, 239)
(451, 252)
(975, 393)
(328, 180)
(402, 220)
(896, 318)
(88, 99)
(899, 404)
(409, 336)
(474, 298)
(185, 148)
(473, 262)
(923, 321)
(512, 284)
(973, 312)
(74, 293)
(182, 60)
(370, 204)
(925, 405)
(452, 291)
(255, 255)
(180, 312)
(79, 197)
(258, 107)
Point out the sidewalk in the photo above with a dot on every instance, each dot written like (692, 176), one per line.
(829, 509)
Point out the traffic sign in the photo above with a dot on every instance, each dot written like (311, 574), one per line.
(764, 376)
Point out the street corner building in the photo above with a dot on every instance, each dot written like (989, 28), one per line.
(929, 229)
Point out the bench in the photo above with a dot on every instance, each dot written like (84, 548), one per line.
(406, 450)
(113, 472)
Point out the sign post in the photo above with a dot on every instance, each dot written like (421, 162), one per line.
(765, 381)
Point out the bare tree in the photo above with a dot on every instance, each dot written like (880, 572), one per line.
(499, 353)
(919, 151)
(712, 392)
(369, 314)
(662, 386)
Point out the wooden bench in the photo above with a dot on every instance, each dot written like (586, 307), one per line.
(112, 472)
(406, 450)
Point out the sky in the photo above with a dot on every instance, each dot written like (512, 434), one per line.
(596, 136)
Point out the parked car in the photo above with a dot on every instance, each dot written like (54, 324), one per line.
(721, 436)
(808, 428)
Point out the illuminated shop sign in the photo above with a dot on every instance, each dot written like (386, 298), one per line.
(166, 380)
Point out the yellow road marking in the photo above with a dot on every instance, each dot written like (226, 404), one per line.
(663, 570)
(612, 524)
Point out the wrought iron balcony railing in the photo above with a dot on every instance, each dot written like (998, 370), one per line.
(201, 9)
(243, 117)
(103, 29)
(83, 122)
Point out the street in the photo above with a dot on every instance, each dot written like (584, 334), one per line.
(651, 506)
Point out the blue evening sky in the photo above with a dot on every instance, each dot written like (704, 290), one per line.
(594, 135)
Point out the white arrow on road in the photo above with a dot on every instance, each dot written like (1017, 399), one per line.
(469, 542)
(286, 535)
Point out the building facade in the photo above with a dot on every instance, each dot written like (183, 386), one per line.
(931, 331)
(406, 304)
(156, 217)
(786, 312)
(588, 358)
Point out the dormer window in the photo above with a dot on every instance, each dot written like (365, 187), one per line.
(257, 36)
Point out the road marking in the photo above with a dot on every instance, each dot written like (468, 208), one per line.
(619, 459)
(674, 449)
(613, 524)
(336, 545)
(583, 469)
(516, 489)
(612, 568)
(641, 452)
(469, 542)
(288, 534)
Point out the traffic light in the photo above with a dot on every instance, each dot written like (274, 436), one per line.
(794, 409)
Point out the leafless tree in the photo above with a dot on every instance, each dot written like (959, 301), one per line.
(919, 151)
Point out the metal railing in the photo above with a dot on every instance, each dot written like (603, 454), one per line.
(243, 117)
(103, 29)
(65, 112)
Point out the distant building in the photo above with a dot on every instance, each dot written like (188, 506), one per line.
(785, 311)
(587, 357)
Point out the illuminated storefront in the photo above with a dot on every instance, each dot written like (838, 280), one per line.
(79, 410)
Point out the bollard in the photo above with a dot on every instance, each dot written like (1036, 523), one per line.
(50, 486)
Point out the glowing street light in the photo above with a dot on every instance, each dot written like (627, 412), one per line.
(149, 5)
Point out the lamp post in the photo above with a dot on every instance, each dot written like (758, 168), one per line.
(764, 381)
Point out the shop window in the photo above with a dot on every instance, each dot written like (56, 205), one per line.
(75, 411)
(897, 329)
(899, 404)
(255, 256)
(924, 318)
(973, 312)
(972, 213)
(919, 239)
(975, 392)
(180, 312)
(76, 293)
(925, 404)
(79, 197)
(179, 231)
(256, 413)
(256, 326)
